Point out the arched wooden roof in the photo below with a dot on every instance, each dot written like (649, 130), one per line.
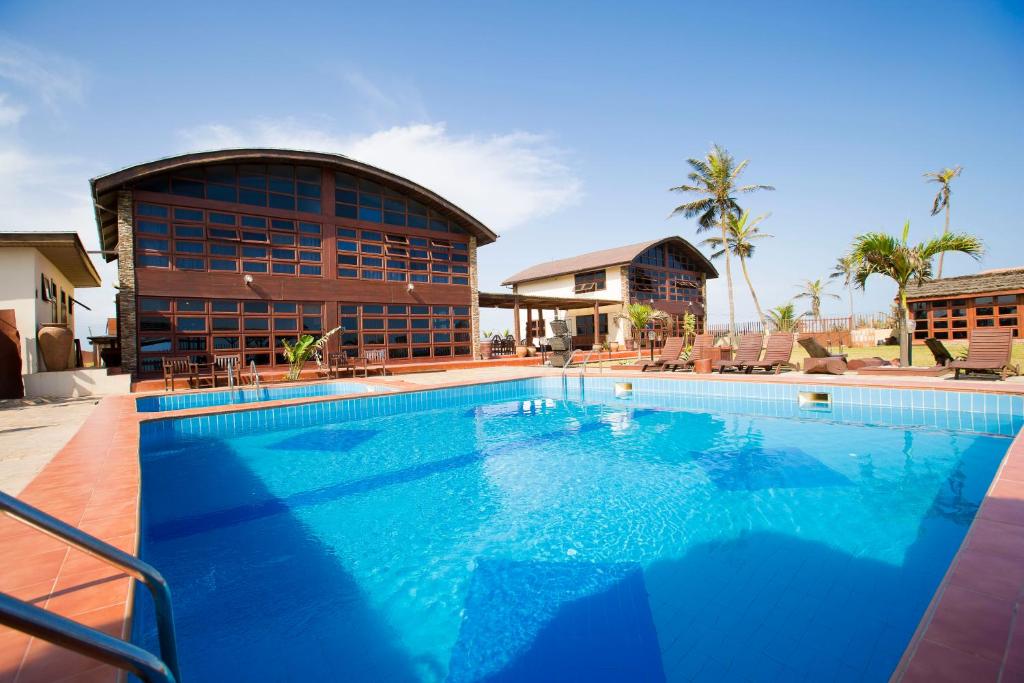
(606, 257)
(105, 187)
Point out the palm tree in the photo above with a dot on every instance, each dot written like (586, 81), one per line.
(715, 178)
(743, 232)
(639, 316)
(902, 262)
(815, 291)
(783, 317)
(943, 178)
(845, 268)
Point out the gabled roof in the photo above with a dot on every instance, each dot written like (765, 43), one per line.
(1006, 279)
(604, 258)
(63, 249)
(105, 187)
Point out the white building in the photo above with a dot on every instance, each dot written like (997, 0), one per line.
(668, 273)
(39, 272)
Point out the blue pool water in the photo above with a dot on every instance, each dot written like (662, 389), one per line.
(531, 531)
(206, 399)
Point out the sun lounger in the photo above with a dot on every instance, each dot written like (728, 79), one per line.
(939, 350)
(670, 353)
(989, 351)
(777, 353)
(749, 351)
(702, 344)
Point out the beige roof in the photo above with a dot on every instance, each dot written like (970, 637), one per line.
(63, 249)
(602, 259)
(1003, 279)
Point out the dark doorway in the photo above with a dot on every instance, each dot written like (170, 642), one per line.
(10, 357)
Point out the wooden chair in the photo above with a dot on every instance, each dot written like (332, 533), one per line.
(373, 359)
(989, 351)
(670, 353)
(225, 365)
(702, 345)
(178, 366)
(337, 363)
(749, 351)
(777, 354)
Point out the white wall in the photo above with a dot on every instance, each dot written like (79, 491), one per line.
(20, 271)
(75, 383)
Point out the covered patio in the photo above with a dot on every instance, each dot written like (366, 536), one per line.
(537, 327)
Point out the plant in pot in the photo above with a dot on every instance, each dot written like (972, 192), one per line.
(304, 348)
(485, 344)
(639, 316)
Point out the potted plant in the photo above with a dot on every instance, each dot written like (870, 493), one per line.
(302, 350)
(639, 316)
(485, 344)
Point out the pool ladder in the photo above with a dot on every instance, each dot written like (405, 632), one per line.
(583, 363)
(254, 376)
(40, 623)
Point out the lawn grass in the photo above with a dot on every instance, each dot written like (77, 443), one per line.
(921, 355)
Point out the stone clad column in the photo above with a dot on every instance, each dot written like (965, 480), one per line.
(474, 287)
(126, 298)
(622, 324)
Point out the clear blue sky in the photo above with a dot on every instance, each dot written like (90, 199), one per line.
(562, 127)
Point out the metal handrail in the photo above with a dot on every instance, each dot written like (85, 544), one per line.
(568, 362)
(134, 567)
(255, 375)
(62, 631)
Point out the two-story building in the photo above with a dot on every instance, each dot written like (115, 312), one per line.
(235, 251)
(668, 273)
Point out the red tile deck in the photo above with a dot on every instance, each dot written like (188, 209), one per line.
(969, 632)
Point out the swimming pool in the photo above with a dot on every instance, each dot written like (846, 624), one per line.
(535, 530)
(207, 399)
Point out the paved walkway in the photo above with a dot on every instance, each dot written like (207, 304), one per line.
(31, 433)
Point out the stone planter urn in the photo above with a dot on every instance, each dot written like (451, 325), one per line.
(55, 342)
(613, 346)
(522, 350)
(485, 349)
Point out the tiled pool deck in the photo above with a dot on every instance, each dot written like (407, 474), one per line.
(970, 631)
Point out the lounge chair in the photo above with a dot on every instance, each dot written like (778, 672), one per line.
(777, 353)
(821, 361)
(989, 351)
(670, 353)
(702, 345)
(939, 350)
(749, 351)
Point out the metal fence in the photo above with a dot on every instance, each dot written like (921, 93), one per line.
(806, 325)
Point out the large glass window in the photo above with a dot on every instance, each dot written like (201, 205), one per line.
(590, 282)
(275, 186)
(365, 325)
(228, 236)
(197, 327)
